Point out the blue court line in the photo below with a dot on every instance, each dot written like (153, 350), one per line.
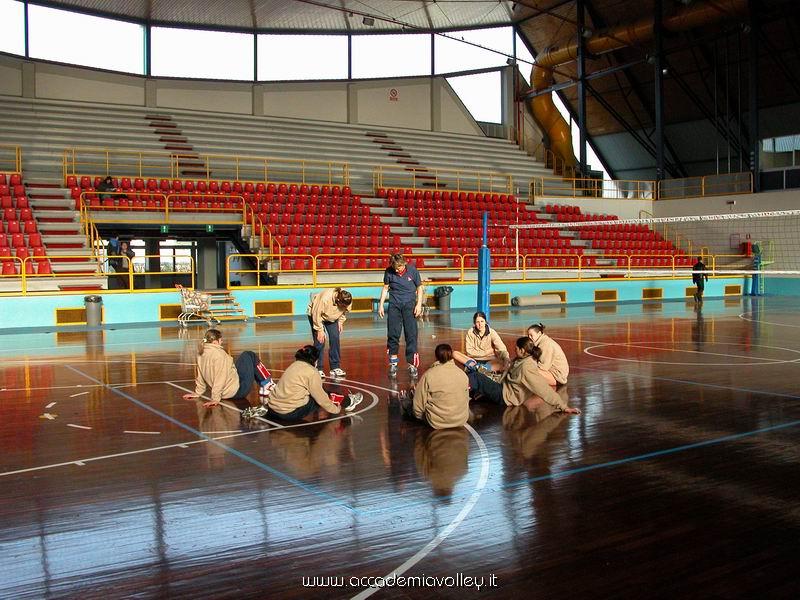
(280, 474)
(665, 452)
(686, 381)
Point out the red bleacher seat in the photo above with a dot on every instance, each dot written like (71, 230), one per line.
(13, 227)
(43, 267)
(9, 267)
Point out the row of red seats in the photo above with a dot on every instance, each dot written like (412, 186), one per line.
(12, 214)
(455, 204)
(18, 202)
(562, 209)
(427, 212)
(330, 241)
(460, 230)
(17, 240)
(391, 193)
(366, 249)
(11, 227)
(338, 228)
(15, 191)
(528, 243)
(275, 219)
(12, 267)
(10, 179)
(638, 244)
(619, 235)
(202, 185)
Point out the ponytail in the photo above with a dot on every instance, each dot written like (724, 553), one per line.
(212, 335)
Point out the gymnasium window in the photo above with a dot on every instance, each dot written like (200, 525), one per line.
(525, 59)
(12, 16)
(176, 256)
(473, 49)
(201, 54)
(481, 95)
(296, 57)
(391, 55)
(69, 37)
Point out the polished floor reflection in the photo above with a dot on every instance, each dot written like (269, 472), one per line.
(680, 478)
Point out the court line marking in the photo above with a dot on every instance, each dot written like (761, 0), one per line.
(144, 432)
(192, 442)
(78, 394)
(743, 318)
(77, 426)
(772, 361)
(51, 405)
(687, 382)
(483, 478)
(241, 455)
(223, 404)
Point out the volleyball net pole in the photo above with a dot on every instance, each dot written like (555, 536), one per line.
(484, 269)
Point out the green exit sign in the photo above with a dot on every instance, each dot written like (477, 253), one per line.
(165, 229)
(209, 229)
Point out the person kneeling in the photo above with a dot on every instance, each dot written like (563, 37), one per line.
(299, 392)
(521, 382)
(441, 397)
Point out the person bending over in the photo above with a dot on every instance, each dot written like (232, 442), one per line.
(522, 382)
(327, 313)
(553, 362)
(227, 379)
(299, 392)
(441, 397)
(484, 347)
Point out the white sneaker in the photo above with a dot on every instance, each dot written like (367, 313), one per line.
(265, 390)
(413, 371)
(322, 373)
(338, 372)
(355, 400)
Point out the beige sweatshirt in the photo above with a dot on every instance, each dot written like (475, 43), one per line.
(442, 396)
(553, 358)
(323, 308)
(485, 347)
(215, 370)
(297, 383)
(522, 379)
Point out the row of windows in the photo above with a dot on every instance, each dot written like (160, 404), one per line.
(104, 43)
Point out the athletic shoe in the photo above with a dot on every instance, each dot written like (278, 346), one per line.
(338, 372)
(254, 412)
(413, 371)
(265, 390)
(393, 370)
(322, 373)
(355, 399)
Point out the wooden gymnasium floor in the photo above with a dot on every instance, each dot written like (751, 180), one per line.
(680, 479)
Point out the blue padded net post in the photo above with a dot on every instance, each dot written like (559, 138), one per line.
(484, 269)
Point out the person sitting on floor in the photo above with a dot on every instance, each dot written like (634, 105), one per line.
(228, 379)
(484, 347)
(299, 392)
(522, 382)
(441, 397)
(553, 363)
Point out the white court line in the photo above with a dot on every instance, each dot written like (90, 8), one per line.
(144, 432)
(93, 385)
(192, 442)
(78, 394)
(444, 533)
(79, 463)
(77, 426)
(223, 404)
(51, 405)
(743, 318)
(462, 514)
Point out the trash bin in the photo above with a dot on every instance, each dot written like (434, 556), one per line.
(442, 295)
(94, 310)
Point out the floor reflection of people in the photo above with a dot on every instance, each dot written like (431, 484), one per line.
(529, 428)
(215, 422)
(308, 451)
(441, 457)
(699, 328)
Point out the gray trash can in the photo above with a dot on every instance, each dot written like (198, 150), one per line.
(94, 310)
(442, 295)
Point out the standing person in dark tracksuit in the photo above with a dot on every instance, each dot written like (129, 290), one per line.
(403, 282)
(699, 278)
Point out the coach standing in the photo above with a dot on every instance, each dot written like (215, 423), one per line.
(403, 282)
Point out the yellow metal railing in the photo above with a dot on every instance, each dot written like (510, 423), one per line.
(462, 267)
(389, 176)
(709, 185)
(10, 159)
(557, 164)
(541, 187)
(99, 162)
(670, 234)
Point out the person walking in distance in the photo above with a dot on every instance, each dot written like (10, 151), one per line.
(327, 313)
(699, 278)
(401, 281)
